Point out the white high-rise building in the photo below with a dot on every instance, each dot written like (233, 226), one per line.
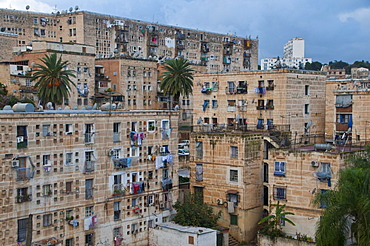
(293, 57)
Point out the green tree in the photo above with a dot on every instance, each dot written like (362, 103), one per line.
(315, 66)
(53, 80)
(347, 206)
(177, 78)
(272, 222)
(194, 212)
(338, 64)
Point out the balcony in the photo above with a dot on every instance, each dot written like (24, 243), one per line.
(24, 173)
(341, 126)
(22, 142)
(231, 108)
(270, 107)
(241, 90)
(180, 46)
(116, 136)
(89, 138)
(260, 107)
(89, 166)
(270, 88)
(24, 198)
(180, 36)
(118, 190)
(122, 162)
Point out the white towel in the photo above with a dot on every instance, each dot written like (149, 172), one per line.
(230, 207)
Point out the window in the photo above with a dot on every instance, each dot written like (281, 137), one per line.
(191, 240)
(117, 233)
(233, 219)
(45, 130)
(307, 108)
(35, 20)
(150, 200)
(150, 224)
(46, 219)
(261, 104)
(89, 239)
(68, 187)
(151, 125)
(279, 168)
(22, 195)
(199, 149)
(234, 152)
(46, 160)
(22, 229)
(234, 175)
(88, 188)
(46, 190)
(89, 211)
(265, 172)
(307, 90)
(231, 87)
(214, 104)
(282, 221)
(270, 104)
(69, 157)
(69, 129)
(22, 137)
(116, 132)
(199, 172)
(117, 210)
(69, 242)
(164, 174)
(270, 85)
(279, 193)
(134, 151)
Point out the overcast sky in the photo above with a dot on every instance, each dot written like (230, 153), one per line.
(332, 29)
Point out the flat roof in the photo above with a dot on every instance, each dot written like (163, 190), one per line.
(187, 229)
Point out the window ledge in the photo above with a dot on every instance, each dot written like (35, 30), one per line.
(282, 174)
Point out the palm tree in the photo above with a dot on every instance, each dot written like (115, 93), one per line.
(53, 80)
(347, 209)
(273, 221)
(177, 79)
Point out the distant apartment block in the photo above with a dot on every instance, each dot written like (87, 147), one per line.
(294, 57)
(122, 37)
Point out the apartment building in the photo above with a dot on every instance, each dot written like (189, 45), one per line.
(293, 57)
(347, 100)
(284, 100)
(81, 60)
(117, 36)
(85, 177)
(293, 176)
(225, 169)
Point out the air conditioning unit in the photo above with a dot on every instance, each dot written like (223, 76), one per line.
(314, 163)
(15, 163)
(219, 201)
(162, 149)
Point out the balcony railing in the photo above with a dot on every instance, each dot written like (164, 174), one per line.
(269, 107)
(260, 107)
(89, 166)
(118, 190)
(231, 108)
(24, 198)
(116, 136)
(24, 173)
(89, 138)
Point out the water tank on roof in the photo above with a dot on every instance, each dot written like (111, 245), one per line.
(23, 107)
(106, 107)
(322, 147)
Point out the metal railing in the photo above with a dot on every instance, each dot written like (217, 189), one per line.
(24, 173)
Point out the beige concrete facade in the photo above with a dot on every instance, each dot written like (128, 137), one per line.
(81, 59)
(117, 36)
(226, 170)
(285, 100)
(294, 176)
(347, 120)
(66, 175)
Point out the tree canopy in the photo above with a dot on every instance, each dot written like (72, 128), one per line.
(194, 212)
(177, 78)
(53, 79)
(347, 206)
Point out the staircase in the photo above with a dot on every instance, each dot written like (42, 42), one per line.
(233, 241)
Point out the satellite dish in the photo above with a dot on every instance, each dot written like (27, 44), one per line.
(119, 105)
(49, 105)
(95, 106)
(237, 118)
(70, 9)
(199, 120)
(27, 7)
(176, 107)
(77, 8)
(349, 130)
